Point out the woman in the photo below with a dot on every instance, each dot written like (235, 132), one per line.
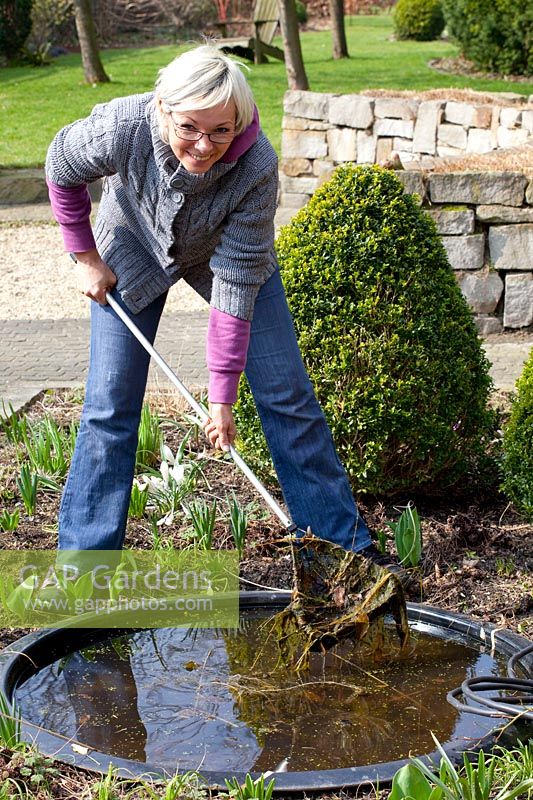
(190, 192)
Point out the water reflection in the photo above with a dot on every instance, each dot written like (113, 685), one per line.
(218, 700)
(103, 697)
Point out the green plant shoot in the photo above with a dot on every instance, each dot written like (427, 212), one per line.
(138, 500)
(203, 517)
(48, 447)
(27, 483)
(410, 784)
(13, 425)
(471, 782)
(150, 439)
(9, 520)
(250, 789)
(238, 524)
(10, 723)
(408, 536)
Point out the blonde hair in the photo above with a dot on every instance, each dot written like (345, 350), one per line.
(203, 78)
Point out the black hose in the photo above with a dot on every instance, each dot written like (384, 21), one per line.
(518, 705)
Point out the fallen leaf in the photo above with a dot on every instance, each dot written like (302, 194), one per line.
(78, 748)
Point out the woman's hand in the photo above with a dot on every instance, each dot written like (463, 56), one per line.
(93, 276)
(220, 427)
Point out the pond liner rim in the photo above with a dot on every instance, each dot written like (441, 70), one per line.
(17, 662)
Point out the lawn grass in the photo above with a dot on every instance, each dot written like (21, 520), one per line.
(36, 102)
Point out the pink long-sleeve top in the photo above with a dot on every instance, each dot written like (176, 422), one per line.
(227, 336)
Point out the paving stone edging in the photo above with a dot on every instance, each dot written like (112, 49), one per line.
(43, 354)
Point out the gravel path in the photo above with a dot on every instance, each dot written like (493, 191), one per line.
(38, 280)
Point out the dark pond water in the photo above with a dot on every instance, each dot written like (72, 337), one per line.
(220, 700)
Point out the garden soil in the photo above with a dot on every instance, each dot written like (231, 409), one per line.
(477, 558)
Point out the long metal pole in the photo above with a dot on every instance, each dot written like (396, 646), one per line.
(238, 460)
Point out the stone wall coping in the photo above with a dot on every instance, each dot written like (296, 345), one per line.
(497, 173)
(469, 97)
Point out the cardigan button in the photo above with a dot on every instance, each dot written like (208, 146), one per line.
(177, 197)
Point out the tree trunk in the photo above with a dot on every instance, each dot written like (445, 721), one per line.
(340, 47)
(294, 63)
(92, 66)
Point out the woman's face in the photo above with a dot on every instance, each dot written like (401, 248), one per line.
(199, 156)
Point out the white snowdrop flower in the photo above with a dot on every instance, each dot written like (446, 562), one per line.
(167, 455)
(178, 473)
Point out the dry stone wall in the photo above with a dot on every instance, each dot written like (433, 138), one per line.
(368, 129)
(485, 219)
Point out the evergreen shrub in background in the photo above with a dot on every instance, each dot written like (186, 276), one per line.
(495, 34)
(387, 337)
(15, 26)
(518, 445)
(421, 20)
(301, 12)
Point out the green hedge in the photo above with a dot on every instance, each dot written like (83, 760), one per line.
(301, 12)
(386, 335)
(518, 445)
(15, 26)
(495, 34)
(421, 20)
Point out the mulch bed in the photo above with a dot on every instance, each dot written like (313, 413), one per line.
(462, 66)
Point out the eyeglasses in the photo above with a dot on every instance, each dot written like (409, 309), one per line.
(191, 134)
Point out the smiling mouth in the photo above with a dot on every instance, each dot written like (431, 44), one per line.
(199, 158)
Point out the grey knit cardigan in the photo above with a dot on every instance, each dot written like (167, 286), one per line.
(157, 222)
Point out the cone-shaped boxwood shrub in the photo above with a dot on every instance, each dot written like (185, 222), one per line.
(387, 337)
(518, 445)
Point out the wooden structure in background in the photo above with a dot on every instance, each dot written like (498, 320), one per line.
(258, 46)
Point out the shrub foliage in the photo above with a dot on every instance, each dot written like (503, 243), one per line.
(494, 34)
(301, 12)
(518, 445)
(387, 337)
(47, 18)
(15, 26)
(422, 20)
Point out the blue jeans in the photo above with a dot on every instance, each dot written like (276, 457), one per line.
(95, 501)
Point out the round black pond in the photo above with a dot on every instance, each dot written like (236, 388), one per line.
(153, 701)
